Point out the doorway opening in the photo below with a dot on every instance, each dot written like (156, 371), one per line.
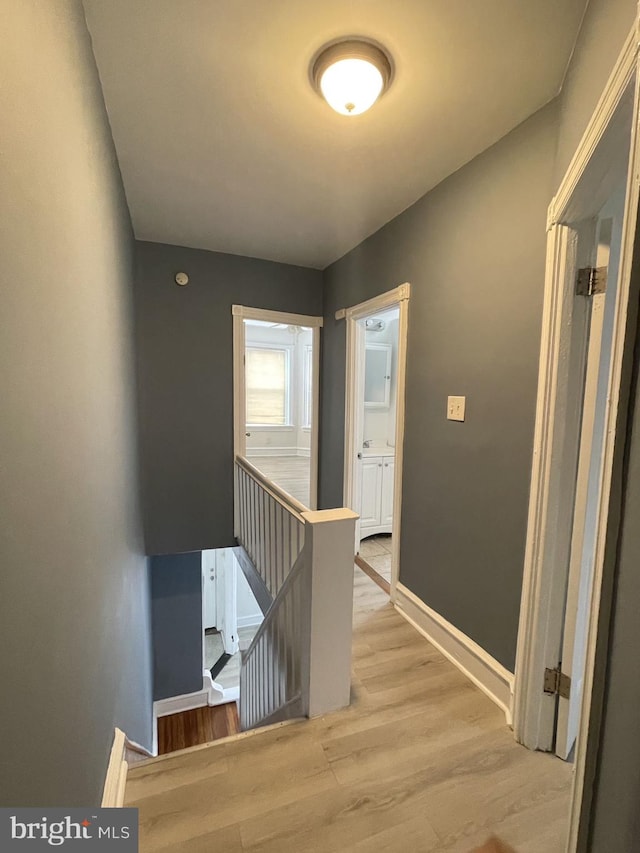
(231, 617)
(374, 430)
(581, 398)
(276, 381)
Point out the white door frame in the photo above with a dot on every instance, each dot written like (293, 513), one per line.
(398, 297)
(552, 485)
(240, 314)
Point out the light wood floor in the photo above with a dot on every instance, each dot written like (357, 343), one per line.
(376, 553)
(420, 761)
(291, 473)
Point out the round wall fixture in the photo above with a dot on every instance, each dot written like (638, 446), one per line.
(182, 278)
(351, 75)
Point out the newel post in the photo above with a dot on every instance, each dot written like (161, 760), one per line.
(330, 536)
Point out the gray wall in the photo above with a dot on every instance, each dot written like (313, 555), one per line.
(185, 379)
(605, 26)
(176, 611)
(74, 597)
(473, 250)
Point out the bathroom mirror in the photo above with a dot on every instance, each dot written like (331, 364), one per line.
(377, 376)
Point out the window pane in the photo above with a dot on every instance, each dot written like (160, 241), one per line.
(266, 380)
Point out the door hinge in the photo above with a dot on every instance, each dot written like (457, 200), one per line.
(591, 280)
(557, 683)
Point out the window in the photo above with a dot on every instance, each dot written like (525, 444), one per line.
(308, 385)
(267, 382)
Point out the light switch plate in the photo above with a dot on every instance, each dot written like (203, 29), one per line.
(455, 408)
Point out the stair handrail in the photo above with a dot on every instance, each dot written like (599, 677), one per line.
(288, 501)
(305, 559)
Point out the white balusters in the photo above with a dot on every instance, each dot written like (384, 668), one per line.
(299, 660)
(268, 524)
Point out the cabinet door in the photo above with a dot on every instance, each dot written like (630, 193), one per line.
(370, 500)
(377, 376)
(387, 491)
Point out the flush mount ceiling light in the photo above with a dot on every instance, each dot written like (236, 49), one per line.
(351, 75)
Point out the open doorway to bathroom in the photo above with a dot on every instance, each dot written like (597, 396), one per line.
(378, 446)
(374, 429)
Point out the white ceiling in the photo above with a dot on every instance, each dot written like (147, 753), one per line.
(224, 145)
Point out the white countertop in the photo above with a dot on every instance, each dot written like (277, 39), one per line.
(383, 450)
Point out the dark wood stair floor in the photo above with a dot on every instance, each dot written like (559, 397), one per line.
(201, 725)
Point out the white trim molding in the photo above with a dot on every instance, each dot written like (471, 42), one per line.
(240, 313)
(178, 704)
(273, 450)
(377, 303)
(116, 778)
(542, 610)
(551, 497)
(267, 316)
(472, 660)
(211, 694)
(615, 89)
(399, 297)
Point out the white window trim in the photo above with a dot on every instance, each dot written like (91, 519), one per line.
(307, 387)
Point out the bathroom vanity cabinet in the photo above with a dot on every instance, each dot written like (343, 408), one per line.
(376, 510)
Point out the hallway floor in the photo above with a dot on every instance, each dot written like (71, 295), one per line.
(420, 761)
(376, 550)
(291, 473)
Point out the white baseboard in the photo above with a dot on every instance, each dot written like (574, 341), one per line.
(211, 694)
(208, 695)
(177, 704)
(116, 778)
(471, 659)
(293, 452)
(253, 452)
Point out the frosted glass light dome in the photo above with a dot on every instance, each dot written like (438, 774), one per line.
(351, 86)
(351, 76)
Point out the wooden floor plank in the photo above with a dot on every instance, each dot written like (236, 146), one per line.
(384, 585)
(200, 725)
(421, 760)
(291, 473)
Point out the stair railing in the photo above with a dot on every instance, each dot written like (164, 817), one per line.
(269, 524)
(299, 662)
(275, 667)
